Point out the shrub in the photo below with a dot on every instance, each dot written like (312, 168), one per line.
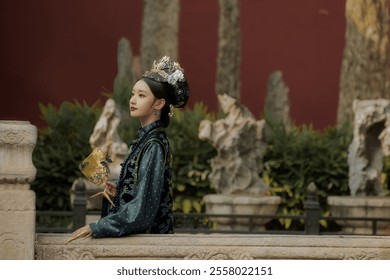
(60, 147)
(301, 155)
(191, 158)
(386, 174)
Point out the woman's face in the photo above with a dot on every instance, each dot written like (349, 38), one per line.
(143, 104)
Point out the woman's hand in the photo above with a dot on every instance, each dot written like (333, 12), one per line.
(110, 189)
(84, 231)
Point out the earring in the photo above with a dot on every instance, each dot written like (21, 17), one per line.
(170, 114)
(157, 112)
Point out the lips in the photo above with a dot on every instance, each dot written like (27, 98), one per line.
(133, 109)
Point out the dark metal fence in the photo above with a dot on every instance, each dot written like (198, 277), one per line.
(202, 222)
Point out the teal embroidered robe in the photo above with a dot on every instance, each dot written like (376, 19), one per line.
(143, 201)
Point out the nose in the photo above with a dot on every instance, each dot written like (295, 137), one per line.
(132, 100)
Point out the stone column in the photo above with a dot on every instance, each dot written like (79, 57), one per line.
(17, 201)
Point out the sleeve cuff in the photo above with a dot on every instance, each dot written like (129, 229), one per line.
(94, 230)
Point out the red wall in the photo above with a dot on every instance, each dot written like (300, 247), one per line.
(60, 50)
(305, 40)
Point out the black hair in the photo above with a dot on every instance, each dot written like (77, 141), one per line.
(161, 90)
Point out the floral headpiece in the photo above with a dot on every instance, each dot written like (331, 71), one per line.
(170, 72)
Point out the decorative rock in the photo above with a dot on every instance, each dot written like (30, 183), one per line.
(105, 135)
(277, 103)
(229, 49)
(371, 142)
(160, 18)
(369, 145)
(239, 140)
(125, 76)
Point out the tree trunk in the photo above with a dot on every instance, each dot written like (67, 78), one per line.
(365, 68)
(159, 31)
(229, 49)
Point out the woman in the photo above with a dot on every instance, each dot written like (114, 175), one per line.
(143, 194)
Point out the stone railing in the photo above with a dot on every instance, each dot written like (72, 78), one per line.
(214, 246)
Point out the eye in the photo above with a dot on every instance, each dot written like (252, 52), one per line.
(141, 95)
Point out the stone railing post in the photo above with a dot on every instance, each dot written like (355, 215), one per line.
(313, 211)
(79, 205)
(17, 201)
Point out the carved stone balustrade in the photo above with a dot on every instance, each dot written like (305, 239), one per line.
(214, 246)
(17, 201)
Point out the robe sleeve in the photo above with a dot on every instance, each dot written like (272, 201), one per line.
(138, 214)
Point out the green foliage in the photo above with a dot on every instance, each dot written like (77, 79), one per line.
(60, 147)
(301, 155)
(385, 178)
(190, 159)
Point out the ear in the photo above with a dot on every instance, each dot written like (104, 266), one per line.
(159, 104)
